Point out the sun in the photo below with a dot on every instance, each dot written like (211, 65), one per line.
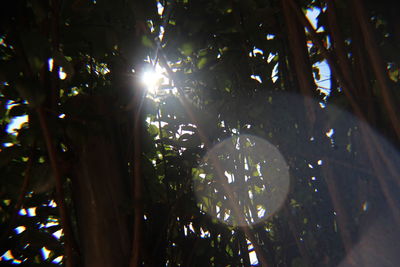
(152, 79)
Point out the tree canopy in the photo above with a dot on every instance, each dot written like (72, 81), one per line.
(200, 133)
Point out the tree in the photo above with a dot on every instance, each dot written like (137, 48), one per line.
(239, 152)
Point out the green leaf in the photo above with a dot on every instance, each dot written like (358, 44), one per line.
(202, 62)
(153, 130)
(146, 41)
(187, 49)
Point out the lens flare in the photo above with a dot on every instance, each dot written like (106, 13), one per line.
(242, 181)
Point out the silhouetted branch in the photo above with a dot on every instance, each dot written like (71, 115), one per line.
(378, 65)
(59, 188)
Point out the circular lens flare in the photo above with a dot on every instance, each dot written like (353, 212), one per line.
(242, 181)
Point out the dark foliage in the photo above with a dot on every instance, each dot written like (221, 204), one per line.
(264, 137)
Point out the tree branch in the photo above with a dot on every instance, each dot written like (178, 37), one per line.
(301, 62)
(344, 83)
(378, 65)
(59, 188)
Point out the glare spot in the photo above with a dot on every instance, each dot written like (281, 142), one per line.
(160, 9)
(257, 78)
(365, 206)
(203, 233)
(226, 215)
(16, 124)
(252, 255)
(161, 35)
(57, 260)
(255, 52)
(274, 75)
(270, 36)
(312, 15)
(7, 256)
(62, 74)
(271, 56)
(58, 234)
(20, 229)
(52, 204)
(250, 194)
(50, 62)
(324, 81)
(45, 253)
(32, 212)
(229, 176)
(191, 227)
(260, 211)
(330, 133)
(74, 91)
(22, 212)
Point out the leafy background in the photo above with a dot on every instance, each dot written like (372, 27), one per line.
(114, 168)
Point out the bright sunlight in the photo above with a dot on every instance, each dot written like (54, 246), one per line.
(153, 79)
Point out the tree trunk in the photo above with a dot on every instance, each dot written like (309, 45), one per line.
(101, 197)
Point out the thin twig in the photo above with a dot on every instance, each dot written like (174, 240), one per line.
(338, 42)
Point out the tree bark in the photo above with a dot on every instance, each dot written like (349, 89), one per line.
(101, 198)
(300, 59)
